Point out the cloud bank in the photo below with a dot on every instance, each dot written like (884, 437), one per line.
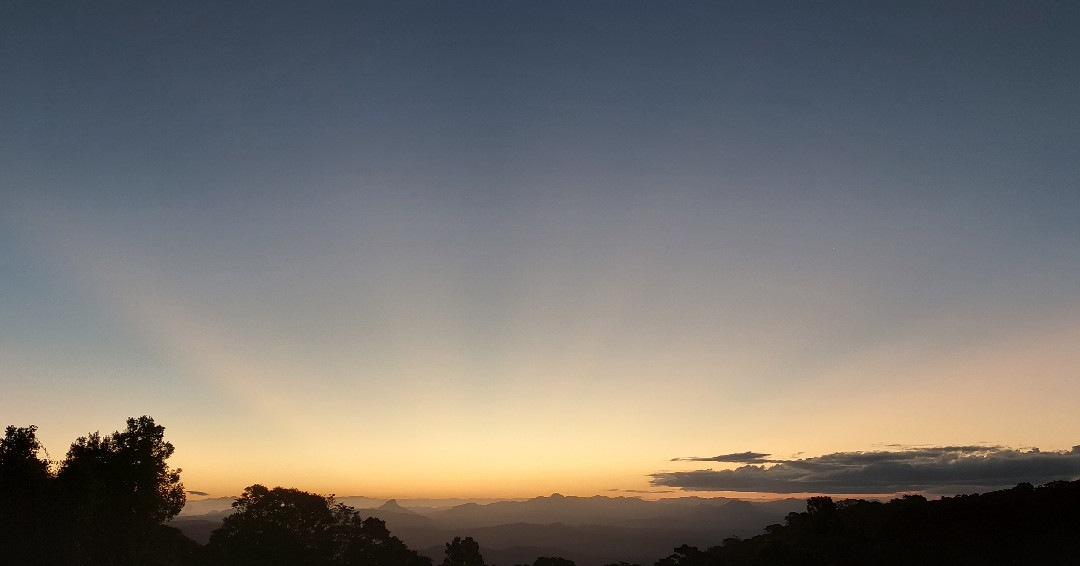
(936, 470)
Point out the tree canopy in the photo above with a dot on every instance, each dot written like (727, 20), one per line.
(1022, 525)
(109, 500)
(463, 552)
(24, 497)
(106, 503)
(291, 527)
(553, 561)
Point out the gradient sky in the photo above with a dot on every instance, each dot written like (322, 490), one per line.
(502, 249)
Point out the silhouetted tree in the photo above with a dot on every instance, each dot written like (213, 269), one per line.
(368, 542)
(278, 526)
(119, 492)
(292, 527)
(463, 552)
(553, 561)
(25, 501)
(822, 506)
(106, 503)
(685, 555)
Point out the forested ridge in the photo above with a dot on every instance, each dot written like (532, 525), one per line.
(109, 501)
(1022, 525)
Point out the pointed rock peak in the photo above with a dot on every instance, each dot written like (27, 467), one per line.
(392, 505)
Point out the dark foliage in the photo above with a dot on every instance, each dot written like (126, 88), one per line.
(685, 556)
(106, 504)
(1022, 525)
(25, 498)
(120, 492)
(553, 561)
(463, 552)
(108, 501)
(292, 527)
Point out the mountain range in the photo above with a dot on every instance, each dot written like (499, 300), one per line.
(591, 531)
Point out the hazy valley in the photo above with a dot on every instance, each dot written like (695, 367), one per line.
(591, 531)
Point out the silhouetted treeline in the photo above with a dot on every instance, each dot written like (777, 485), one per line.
(105, 503)
(1023, 525)
(108, 501)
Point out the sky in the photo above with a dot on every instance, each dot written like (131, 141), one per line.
(506, 249)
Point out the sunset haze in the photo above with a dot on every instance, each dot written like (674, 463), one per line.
(509, 249)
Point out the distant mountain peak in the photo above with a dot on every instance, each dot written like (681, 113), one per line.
(393, 507)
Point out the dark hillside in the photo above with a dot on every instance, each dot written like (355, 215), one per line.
(1022, 525)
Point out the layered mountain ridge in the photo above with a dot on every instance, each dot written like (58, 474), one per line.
(590, 530)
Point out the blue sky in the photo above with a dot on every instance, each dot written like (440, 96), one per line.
(502, 249)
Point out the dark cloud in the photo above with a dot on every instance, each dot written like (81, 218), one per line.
(736, 458)
(193, 492)
(937, 470)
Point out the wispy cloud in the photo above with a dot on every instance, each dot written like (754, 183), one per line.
(193, 492)
(937, 470)
(739, 457)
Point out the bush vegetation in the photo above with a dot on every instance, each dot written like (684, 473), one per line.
(109, 500)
